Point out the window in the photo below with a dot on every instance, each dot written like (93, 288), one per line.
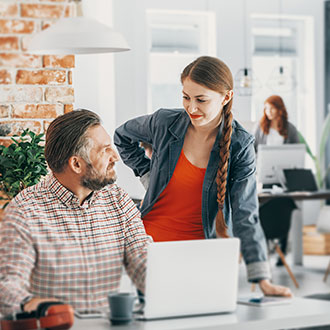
(176, 38)
(286, 41)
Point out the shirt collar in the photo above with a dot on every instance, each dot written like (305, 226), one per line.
(66, 196)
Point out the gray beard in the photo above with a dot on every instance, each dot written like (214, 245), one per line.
(93, 182)
(96, 184)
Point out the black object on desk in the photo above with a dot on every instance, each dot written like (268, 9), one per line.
(299, 179)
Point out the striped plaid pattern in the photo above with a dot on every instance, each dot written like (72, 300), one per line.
(50, 246)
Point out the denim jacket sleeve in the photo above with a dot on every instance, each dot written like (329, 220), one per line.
(127, 138)
(244, 205)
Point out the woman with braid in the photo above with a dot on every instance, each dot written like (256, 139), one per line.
(201, 177)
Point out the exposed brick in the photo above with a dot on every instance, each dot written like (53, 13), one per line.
(68, 108)
(8, 43)
(41, 77)
(63, 95)
(37, 110)
(8, 9)
(24, 111)
(46, 124)
(70, 10)
(5, 128)
(20, 60)
(5, 77)
(70, 77)
(20, 94)
(10, 128)
(46, 24)
(50, 110)
(16, 26)
(6, 142)
(54, 61)
(41, 10)
(4, 111)
(25, 40)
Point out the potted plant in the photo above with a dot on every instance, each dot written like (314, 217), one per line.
(321, 171)
(22, 164)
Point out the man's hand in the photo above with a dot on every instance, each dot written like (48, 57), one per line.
(33, 304)
(270, 289)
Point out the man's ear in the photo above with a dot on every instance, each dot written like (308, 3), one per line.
(75, 163)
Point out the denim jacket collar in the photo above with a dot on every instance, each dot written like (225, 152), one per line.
(179, 126)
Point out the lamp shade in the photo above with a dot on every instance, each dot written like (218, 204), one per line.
(77, 35)
(245, 82)
(281, 80)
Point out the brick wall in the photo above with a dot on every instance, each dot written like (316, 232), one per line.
(34, 89)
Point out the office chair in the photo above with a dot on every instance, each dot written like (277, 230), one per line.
(275, 219)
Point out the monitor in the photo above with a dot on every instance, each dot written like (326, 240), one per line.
(271, 160)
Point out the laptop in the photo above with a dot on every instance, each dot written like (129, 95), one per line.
(186, 278)
(299, 179)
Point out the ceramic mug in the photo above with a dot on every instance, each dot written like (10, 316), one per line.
(121, 307)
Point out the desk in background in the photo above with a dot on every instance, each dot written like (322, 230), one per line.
(299, 313)
(297, 226)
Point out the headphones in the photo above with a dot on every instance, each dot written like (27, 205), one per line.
(49, 315)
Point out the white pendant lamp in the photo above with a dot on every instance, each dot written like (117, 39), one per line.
(77, 35)
(282, 79)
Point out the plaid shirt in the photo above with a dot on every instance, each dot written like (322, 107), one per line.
(50, 246)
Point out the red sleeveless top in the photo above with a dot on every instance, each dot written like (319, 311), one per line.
(177, 214)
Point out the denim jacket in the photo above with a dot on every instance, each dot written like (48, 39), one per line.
(165, 131)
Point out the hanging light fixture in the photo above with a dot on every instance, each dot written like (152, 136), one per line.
(77, 35)
(244, 78)
(281, 78)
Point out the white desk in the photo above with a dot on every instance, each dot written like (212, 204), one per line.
(300, 313)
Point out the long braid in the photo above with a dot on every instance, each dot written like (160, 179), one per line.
(221, 178)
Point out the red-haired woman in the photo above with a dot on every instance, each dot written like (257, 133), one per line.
(274, 127)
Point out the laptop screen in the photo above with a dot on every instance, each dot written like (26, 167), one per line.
(300, 180)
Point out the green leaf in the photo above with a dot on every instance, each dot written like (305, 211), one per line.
(22, 163)
(324, 136)
(308, 149)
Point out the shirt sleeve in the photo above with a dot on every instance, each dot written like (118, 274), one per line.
(17, 258)
(246, 224)
(127, 138)
(136, 242)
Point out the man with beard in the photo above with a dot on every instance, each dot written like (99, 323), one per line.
(68, 237)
